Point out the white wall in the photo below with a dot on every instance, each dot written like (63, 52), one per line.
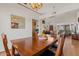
(67, 18)
(6, 10)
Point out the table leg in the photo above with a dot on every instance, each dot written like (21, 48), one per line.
(13, 50)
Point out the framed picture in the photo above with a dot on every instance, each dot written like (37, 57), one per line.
(17, 22)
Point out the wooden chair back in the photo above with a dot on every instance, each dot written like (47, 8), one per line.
(5, 42)
(59, 50)
(35, 35)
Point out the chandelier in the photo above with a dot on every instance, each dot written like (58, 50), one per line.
(36, 6)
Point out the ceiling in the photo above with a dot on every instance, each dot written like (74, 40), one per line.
(48, 8)
(52, 8)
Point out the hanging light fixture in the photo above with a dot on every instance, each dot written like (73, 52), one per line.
(36, 6)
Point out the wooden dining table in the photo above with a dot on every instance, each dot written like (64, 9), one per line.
(30, 47)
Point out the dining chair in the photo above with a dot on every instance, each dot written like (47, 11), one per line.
(55, 52)
(5, 44)
(59, 50)
(35, 35)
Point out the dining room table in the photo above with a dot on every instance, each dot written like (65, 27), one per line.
(31, 47)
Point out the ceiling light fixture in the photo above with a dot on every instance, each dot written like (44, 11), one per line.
(36, 6)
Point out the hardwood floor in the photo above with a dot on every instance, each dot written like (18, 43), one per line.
(4, 54)
(71, 48)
